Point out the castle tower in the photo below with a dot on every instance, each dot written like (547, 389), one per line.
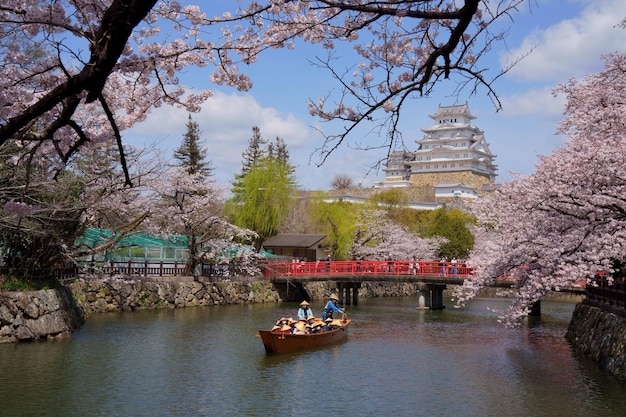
(453, 151)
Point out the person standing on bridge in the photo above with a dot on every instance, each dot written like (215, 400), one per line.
(304, 312)
(331, 307)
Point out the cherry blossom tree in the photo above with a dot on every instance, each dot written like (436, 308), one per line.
(187, 204)
(566, 222)
(376, 237)
(79, 72)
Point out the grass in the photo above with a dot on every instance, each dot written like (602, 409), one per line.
(11, 283)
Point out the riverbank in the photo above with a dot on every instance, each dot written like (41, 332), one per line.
(48, 314)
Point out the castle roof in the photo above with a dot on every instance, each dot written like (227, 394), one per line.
(450, 111)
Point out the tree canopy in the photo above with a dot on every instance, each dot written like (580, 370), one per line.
(263, 193)
(76, 73)
(191, 153)
(566, 222)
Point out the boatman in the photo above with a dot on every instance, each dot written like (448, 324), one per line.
(304, 312)
(331, 307)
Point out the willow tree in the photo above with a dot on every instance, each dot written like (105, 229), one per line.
(338, 220)
(263, 198)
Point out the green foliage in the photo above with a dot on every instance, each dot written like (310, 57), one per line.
(452, 225)
(12, 283)
(251, 156)
(264, 198)
(338, 222)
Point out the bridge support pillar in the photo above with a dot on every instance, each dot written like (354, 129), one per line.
(430, 297)
(535, 309)
(345, 289)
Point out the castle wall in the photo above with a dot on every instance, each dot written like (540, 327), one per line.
(430, 179)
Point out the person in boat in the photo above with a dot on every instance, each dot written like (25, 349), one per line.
(331, 307)
(316, 326)
(304, 312)
(285, 321)
(300, 327)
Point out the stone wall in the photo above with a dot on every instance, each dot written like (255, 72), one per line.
(127, 295)
(423, 179)
(601, 336)
(33, 315)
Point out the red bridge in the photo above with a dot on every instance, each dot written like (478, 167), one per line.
(421, 270)
(432, 277)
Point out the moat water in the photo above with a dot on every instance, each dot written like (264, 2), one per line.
(397, 361)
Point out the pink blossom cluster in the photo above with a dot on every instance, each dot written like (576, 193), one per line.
(565, 223)
(376, 237)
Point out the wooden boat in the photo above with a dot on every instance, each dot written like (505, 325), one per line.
(277, 341)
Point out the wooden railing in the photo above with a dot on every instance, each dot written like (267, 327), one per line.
(156, 269)
(611, 294)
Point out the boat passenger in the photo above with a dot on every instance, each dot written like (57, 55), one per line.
(331, 307)
(284, 321)
(304, 312)
(300, 327)
(316, 326)
(328, 325)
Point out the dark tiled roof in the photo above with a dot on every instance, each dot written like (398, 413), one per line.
(293, 241)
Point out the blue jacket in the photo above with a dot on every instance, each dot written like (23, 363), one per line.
(330, 305)
(304, 314)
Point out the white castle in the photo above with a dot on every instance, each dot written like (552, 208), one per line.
(453, 157)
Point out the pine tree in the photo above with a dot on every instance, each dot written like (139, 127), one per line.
(251, 156)
(191, 153)
(254, 152)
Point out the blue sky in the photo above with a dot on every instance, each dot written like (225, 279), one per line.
(567, 39)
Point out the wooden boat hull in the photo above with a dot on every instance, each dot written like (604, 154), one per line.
(284, 342)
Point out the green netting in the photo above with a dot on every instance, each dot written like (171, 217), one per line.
(140, 246)
(135, 246)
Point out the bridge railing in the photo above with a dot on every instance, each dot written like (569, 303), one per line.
(613, 294)
(366, 267)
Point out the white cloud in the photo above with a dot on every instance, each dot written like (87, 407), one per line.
(571, 47)
(538, 103)
(226, 122)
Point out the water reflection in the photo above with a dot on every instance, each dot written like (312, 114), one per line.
(396, 361)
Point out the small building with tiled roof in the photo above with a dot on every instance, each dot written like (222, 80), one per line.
(304, 247)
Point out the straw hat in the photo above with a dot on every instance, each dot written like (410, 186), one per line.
(328, 320)
(301, 326)
(285, 328)
(304, 304)
(337, 323)
(334, 297)
(275, 328)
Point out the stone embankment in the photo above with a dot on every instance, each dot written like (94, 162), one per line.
(32, 315)
(127, 295)
(601, 336)
(35, 315)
